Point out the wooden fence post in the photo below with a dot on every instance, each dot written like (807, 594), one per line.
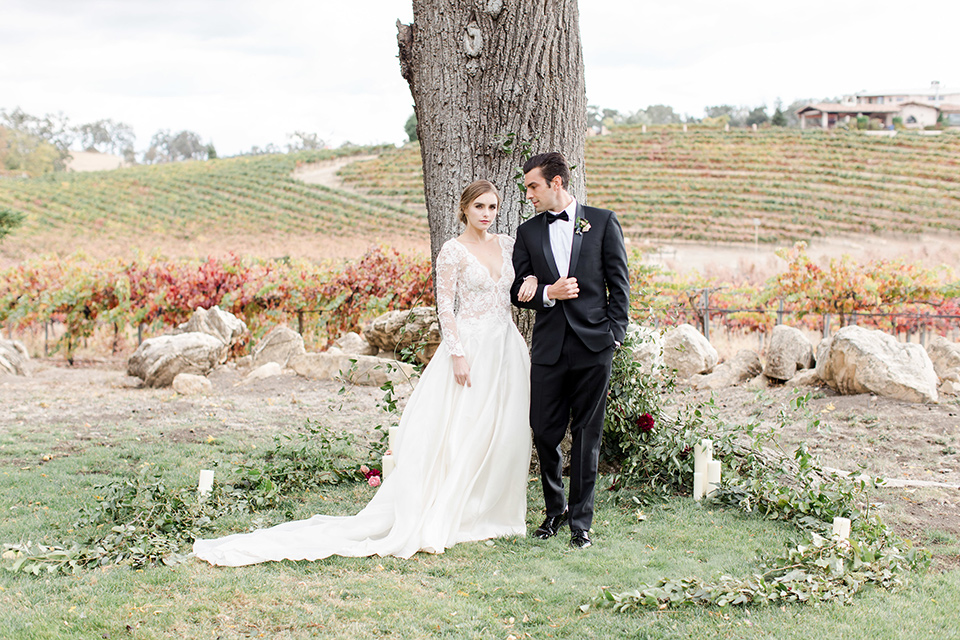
(780, 312)
(300, 321)
(826, 325)
(706, 314)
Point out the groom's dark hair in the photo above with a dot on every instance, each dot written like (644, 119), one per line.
(551, 165)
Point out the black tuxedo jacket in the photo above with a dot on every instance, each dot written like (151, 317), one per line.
(598, 260)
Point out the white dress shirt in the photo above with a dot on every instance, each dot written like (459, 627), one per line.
(561, 243)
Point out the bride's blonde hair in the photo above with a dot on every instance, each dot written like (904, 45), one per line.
(473, 191)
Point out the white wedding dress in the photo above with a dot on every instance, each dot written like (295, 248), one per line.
(462, 455)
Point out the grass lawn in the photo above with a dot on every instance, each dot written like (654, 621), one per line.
(498, 589)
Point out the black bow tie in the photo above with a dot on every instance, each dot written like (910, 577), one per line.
(553, 217)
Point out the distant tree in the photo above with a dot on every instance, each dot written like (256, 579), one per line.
(106, 136)
(662, 114)
(410, 128)
(757, 116)
(52, 129)
(174, 147)
(597, 117)
(778, 119)
(303, 141)
(23, 153)
(211, 152)
(9, 220)
(735, 116)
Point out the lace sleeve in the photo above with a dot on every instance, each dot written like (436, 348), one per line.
(448, 262)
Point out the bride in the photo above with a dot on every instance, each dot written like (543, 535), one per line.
(463, 450)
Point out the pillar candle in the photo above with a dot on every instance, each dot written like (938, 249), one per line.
(697, 486)
(699, 460)
(206, 481)
(388, 464)
(394, 433)
(713, 477)
(841, 528)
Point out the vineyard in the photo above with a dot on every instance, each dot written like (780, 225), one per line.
(710, 185)
(206, 202)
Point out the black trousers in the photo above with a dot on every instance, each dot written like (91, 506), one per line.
(573, 391)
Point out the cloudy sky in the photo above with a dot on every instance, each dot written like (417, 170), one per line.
(250, 72)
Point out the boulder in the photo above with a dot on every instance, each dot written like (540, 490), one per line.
(157, 361)
(743, 367)
(945, 356)
(369, 371)
(13, 357)
(189, 384)
(264, 371)
(949, 388)
(279, 345)
(688, 352)
(647, 347)
(354, 343)
(215, 322)
(789, 352)
(804, 378)
(397, 330)
(858, 360)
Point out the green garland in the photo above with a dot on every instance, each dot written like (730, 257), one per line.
(653, 441)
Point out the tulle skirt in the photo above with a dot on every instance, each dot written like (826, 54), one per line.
(462, 460)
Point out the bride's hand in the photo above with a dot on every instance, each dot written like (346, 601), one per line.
(461, 371)
(528, 289)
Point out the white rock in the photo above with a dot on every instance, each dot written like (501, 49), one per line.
(804, 378)
(688, 352)
(945, 356)
(743, 367)
(13, 357)
(858, 360)
(950, 387)
(789, 352)
(353, 343)
(268, 370)
(189, 384)
(220, 324)
(647, 347)
(279, 345)
(397, 330)
(360, 370)
(158, 360)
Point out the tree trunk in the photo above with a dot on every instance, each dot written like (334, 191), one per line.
(493, 82)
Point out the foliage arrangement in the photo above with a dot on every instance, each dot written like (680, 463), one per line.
(653, 443)
(146, 521)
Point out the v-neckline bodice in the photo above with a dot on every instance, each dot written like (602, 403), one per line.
(479, 262)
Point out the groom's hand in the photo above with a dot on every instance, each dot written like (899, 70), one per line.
(563, 289)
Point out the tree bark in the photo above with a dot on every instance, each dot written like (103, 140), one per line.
(493, 82)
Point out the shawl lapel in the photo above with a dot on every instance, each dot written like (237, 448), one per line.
(577, 242)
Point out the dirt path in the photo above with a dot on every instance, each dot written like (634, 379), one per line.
(325, 173)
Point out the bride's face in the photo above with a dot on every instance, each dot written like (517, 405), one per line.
(482, 212)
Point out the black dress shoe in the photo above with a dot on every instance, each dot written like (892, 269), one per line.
(551, 526)
(580, 539)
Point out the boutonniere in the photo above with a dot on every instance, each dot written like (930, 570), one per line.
(583, 225)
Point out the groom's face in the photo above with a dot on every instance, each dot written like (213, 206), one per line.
(545, 196)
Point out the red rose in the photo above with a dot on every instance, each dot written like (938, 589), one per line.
(645, 422)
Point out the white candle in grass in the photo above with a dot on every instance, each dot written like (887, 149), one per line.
(713, 477)
(206, 481)
(698, 488)
(388, 464)
(394, 433)
(841, 528)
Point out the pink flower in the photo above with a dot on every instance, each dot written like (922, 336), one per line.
(645, 422)
(364, 469)
(374, 481)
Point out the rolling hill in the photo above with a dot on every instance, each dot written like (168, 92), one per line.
(702, 185)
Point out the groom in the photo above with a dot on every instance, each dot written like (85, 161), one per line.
(578, 256)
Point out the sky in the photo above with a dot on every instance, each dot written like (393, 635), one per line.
(244, 73)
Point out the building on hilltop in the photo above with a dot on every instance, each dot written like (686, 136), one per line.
(916, 108)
